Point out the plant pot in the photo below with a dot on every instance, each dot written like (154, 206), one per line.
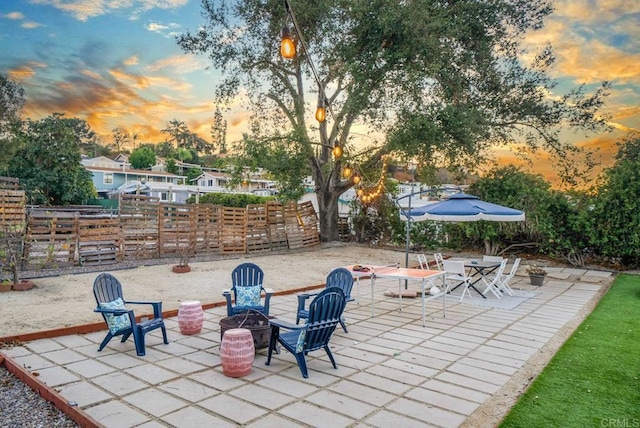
(536, 279)
(5, 287)
(24, 285)
(181, 269)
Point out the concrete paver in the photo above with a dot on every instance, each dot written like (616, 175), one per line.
(392, 371)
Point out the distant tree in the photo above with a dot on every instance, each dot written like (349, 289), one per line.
(48, 161)
(219, 132)
(135, 137)
(170, 164)
(177, 133)
(142, 158)
(183, 154)
(192, 174)
(121, 138)
(514, 188)
(613, 219)
(165, 149)
(11, 103)
(11, 99)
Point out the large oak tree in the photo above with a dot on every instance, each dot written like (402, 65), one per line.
(441, 80)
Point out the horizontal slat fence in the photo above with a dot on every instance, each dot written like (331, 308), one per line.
(51, 240)
(12, 204)
(146, 228)
(99, 241)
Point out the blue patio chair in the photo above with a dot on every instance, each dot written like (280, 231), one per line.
(120, 320)
(325, 312)
(339, 277)
(247, 289)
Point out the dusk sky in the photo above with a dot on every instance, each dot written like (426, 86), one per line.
(115, 63)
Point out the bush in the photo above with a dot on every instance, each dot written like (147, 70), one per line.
(238, 200)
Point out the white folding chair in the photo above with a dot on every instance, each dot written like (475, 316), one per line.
(492, 258)
(503, 282)
(424, 263)
(492, 285)
(439, 259)
(455, 272)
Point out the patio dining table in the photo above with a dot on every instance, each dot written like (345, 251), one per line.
(426, 277)
(478, 269)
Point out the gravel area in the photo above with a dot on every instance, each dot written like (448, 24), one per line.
(22, 407)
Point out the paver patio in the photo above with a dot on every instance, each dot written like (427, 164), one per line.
(391, 370)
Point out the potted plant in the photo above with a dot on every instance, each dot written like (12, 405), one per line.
(183, 265)
(536, 274)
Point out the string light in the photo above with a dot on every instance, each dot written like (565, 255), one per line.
(321, 111)
(370, 194)
(323, 105)
(337, 151)
(347, 171)
(287, 46)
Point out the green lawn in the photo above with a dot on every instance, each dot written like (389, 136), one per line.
(594, 379)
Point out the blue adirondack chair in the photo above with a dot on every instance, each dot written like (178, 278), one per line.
(341, 278)
(247, 288)
(120, 320)
(325, 312)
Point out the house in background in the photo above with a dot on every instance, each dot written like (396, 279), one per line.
(111, 177)
(218, 181)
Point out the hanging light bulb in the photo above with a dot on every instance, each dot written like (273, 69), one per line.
(337, 151)
(356, 178)
(360, 192)
(347, 171)
(287, 46)
(321, 111)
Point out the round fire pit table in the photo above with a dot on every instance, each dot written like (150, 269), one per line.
(256, 322)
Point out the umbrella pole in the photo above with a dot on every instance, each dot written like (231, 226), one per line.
(406, 251)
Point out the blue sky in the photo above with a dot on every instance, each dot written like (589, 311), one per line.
(115, 63)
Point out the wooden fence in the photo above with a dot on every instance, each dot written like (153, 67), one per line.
(145, 228)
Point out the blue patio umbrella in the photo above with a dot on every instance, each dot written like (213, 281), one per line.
(463, 207)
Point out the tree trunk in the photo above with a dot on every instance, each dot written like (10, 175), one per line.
(328, 207)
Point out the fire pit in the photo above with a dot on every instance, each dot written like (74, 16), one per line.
(256, 322)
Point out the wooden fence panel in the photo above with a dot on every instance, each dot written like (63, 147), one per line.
(176, 236)
(257, 228)
(310, 226)
(50, 240)
(99, 241)
(207, 222)
(12, 207)
(234, 230)
(139, 222)
(302, 225)
(144, 228)
(277, 228)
